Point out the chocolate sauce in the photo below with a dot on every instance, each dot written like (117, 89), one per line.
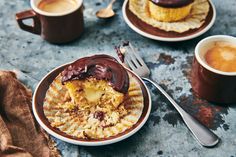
(120, 54)
(172, 3)
(118, 51)
(99, 115)
(102, 67)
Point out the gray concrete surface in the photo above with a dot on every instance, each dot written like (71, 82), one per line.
(164, 134)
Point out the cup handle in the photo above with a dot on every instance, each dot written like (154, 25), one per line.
(29, 14)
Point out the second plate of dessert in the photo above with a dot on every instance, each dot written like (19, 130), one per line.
(92, 101)
(163, 21)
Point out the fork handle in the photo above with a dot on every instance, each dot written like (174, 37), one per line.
(203, 135)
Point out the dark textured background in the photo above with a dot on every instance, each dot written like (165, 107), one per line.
(164, 134)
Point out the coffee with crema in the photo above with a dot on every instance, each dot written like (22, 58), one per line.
(222, 56)
(57, 6)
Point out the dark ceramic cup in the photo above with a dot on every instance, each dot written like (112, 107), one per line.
(54, 27)
(209, 83)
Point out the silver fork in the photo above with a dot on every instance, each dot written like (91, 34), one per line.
(203, 135)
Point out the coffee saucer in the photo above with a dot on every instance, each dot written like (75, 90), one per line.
(151, 32)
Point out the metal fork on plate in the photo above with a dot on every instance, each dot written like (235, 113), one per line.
(204, 136)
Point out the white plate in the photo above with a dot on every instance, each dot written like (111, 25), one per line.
(37, 105)
(169, 39)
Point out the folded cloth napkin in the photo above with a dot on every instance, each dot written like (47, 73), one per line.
(20, 135)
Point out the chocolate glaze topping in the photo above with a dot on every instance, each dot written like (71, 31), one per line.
(102, 67)
(172, 3)
(118, 50)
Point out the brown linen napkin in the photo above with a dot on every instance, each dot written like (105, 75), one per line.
(20, 135)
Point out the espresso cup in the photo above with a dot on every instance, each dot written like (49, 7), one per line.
(55, 27)
(209, 83)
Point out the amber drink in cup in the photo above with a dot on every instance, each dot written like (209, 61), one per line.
(214, 69)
